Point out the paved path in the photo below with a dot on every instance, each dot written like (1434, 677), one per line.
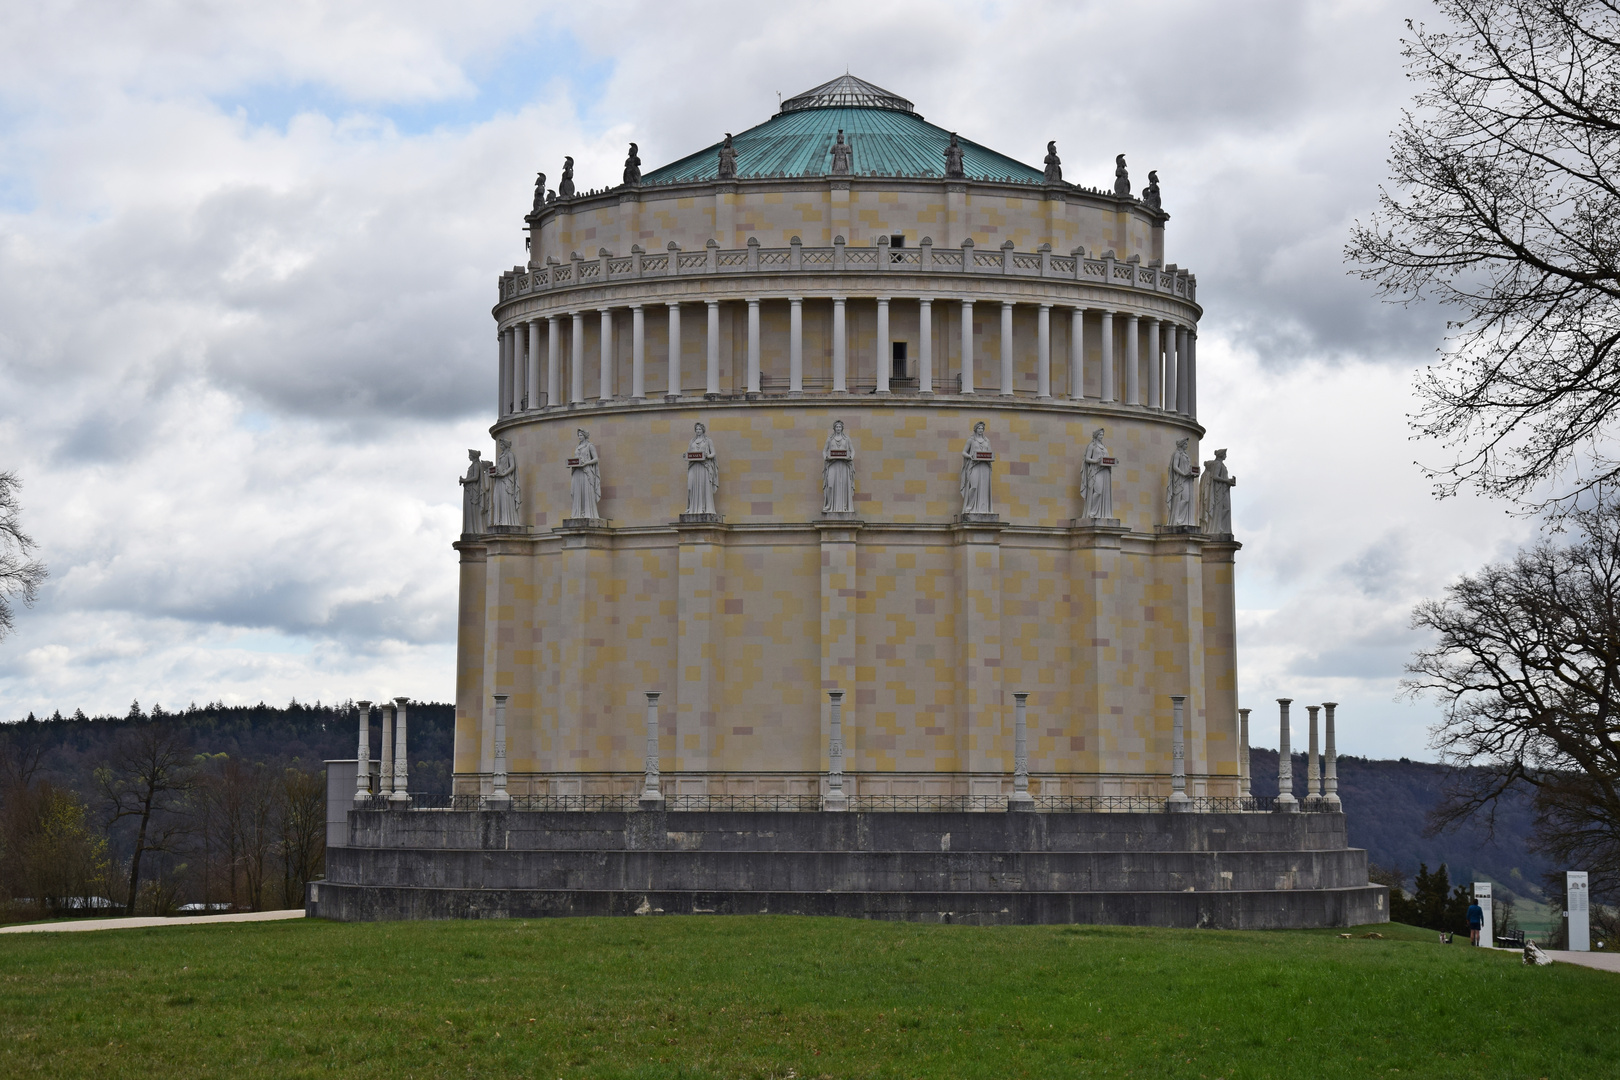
(130, 924)
(1603, 961)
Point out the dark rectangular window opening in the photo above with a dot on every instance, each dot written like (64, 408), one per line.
(899, 354)
(898, 240)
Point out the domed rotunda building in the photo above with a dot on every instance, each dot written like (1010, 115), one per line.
(847, 262)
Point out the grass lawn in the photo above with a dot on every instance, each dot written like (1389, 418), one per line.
(786, 997)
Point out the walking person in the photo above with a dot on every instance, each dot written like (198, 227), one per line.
(1476, 921)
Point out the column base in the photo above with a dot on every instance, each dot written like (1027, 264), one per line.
(1020, 802)
(651, 800)
(585, 523)
(978, 519)
(702, 519)
(835, 801)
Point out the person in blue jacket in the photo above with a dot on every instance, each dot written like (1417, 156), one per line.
(1476, 921)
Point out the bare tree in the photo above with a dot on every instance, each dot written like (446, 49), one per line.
(148, 779)
(303, 831)
(1527, 665)
(20, 575)
(1507, 208)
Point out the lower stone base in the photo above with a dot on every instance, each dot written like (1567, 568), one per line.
(1233, 871)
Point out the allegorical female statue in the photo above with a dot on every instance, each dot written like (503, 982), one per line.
(1179, 498)
(1215, 497)
(976, 459)
(1097, 479)
(702, 472)
(474, 496)
(842, 155)
(584, 478)
(506, 501)
(838, 472)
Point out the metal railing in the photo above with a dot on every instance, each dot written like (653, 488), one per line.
(1046, 804)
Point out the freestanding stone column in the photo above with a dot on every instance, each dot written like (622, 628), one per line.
(1169, 367)
(1192, 373)
(1183, 373)
(401, 793)
(503, 392)
(1107, 356)
(638, 352)
(1077, 354)
(498, 796)
(1330, 796)
(362, 771)
(554, 360)
(385, 768)
(652, 797)
(796, 345)
(1006, 347)
(1286, 803)
(1313, 776)
(1020, 798)
(1243, 754)
(884, 360)
(576, 359)
(532, 383)
(967, 346)
(1043, 352)
(711, 378)
(840, 344)
(520, 369)
(607, 355)
(1178, 801)
(674, 349)
(753, 346)
(835, 799)
(1155, 397)
(1133, 363)
(925, 346)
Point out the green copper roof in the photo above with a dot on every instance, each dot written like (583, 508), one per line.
(886, 141)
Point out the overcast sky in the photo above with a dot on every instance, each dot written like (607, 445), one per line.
(247, 256)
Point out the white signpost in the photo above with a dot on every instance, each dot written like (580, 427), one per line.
(1575, 910)
(1482, 897)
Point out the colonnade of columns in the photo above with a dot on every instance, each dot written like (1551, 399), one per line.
(393, 774)
(1167, 350)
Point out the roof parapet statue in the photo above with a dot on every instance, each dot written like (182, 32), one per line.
(565, 186)
(1122, 179)
(1054, 164)
(953, 160)
(843, 154)
(1150, 194)
(632, 168)
(728, 160)
(539, 191)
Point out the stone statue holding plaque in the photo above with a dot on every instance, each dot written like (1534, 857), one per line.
(1097, 480)
(843, 154)
(702, 472)
(1215, 497)
(953, 160)
(1179, 498)
(838, 472)
(506, 500)
(584, 478)
(976, 461)
(727, 168)
(474, 496)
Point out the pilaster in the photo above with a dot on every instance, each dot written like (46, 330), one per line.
(985, 753)
(699, 665)
(470, 632)
(840, 638)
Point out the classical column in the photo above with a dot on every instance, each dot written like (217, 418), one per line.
(362, 762)
(1107, 328)
(1178, 755)
(1077, 354)
(1020, 798)
(1043, 352)
(401, 757)
(796, 345)
(532, 383)
(840, 348)
(884, 361)
(638, 353)
(1155, 364)
(1286, 802)
(925, 346)
(607, 355)
(503, 391)
(711, 377)
(520, 368)
(1192, 373)
(1133, 363)
(1313, 776)
(1006, 348)
(1169, 367)
(652, 797)
(674, 348)
(1330, 793)
(835, 799)
(1183, 373)
(554, 361)
(967, 346)
(753, 346)
(385, 768)
(498, 796)
(1243, 752)
(576, 359)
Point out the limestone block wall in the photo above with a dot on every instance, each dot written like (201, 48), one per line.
(929, 625)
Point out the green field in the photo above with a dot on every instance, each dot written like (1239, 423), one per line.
(786, 997)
